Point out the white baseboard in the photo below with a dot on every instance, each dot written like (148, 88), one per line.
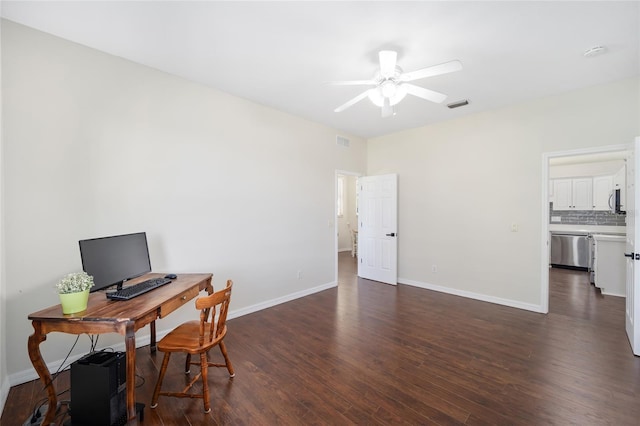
(4, 393)
(273, 302)
(30, 374)
(344, 249)
(475, 296)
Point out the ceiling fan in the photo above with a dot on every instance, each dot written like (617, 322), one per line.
(391, 83)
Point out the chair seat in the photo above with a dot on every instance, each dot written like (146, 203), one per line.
(184, 338)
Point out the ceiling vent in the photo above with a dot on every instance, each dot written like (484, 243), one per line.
(342, 141)
(458, 104)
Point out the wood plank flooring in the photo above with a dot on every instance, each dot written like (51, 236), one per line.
(369, 353)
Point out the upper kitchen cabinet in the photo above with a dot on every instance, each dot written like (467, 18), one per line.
(602, 189)
(573, 194)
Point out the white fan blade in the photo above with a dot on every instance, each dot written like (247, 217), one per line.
(353, 101)
(351, 83)
(387, 109)
(445, 68)
(423, 93)
(387, 62)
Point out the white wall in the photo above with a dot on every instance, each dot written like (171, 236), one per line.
(4, 380)
(96, 145)
(463, 183)
(587, 169)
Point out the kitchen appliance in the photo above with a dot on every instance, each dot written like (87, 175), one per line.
(571, 250)
(615, 202)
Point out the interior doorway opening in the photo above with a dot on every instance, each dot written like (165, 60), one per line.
(558, 165)
(346, 217)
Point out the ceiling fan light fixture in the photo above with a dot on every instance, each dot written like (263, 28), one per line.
(391, 84)
(378, 94)
(375, 96)
(388, 89)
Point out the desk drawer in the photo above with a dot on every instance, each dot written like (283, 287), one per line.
(171, 305)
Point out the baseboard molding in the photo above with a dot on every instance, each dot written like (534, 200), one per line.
(344, 249)
(273, 302)
(471, 295)
(4, 393)
(30, 374)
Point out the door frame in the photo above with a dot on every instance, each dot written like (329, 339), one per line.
(544, 241)
(335, 214)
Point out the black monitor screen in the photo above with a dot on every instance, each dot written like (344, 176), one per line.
(112, 260)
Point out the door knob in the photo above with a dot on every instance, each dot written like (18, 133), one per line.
(393, 234)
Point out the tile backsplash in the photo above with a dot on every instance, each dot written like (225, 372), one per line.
(586, 217)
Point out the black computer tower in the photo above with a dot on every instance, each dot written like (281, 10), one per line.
(99, 389)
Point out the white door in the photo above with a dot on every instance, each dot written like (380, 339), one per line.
(632, 305)
(378, 228)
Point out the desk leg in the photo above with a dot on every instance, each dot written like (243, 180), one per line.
(38, 363)
(152, 344)
(130, 344)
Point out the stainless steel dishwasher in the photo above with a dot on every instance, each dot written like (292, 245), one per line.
(571, 250)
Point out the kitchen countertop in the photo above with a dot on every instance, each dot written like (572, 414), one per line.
(609, 237)
(588, 229)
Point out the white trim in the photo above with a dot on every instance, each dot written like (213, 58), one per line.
(4, 393)
(30, 374)
(273, 302)
(471, 295)
(544, 238)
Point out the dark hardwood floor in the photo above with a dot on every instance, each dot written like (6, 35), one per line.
(369, 353)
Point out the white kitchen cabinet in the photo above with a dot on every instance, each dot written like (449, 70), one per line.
(562, 194)
(602, 189)
(609, 264)
(573, 194)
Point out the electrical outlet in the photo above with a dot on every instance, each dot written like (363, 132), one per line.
(299, 275)
(434, 268)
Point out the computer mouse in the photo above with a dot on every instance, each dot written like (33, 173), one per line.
(171, 276)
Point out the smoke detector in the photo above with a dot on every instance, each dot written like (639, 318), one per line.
(594, 51)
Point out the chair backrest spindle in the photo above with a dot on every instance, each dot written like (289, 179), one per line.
(213, 314)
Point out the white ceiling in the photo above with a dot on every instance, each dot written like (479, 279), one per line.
(279, 54)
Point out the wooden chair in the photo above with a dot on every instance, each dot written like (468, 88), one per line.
(197, 338)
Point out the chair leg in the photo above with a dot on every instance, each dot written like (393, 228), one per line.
(187, 365)
(223, 349)
(163, 370)
(204, 366)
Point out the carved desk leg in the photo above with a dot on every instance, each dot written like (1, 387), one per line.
(41, 368)
(130, 344)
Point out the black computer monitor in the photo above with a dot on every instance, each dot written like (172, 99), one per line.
(113, 260)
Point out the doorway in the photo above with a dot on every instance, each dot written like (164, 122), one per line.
(560, 165)
(346, 219)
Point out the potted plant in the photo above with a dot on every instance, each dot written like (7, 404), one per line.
(73, 290)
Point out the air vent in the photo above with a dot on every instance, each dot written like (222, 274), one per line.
(342, 141)
(458, 104)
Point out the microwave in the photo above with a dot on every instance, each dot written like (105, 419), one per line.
(615, 202)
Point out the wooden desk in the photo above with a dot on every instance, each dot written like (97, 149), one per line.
(107, 316)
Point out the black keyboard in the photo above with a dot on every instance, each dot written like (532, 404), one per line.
(137, 289)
